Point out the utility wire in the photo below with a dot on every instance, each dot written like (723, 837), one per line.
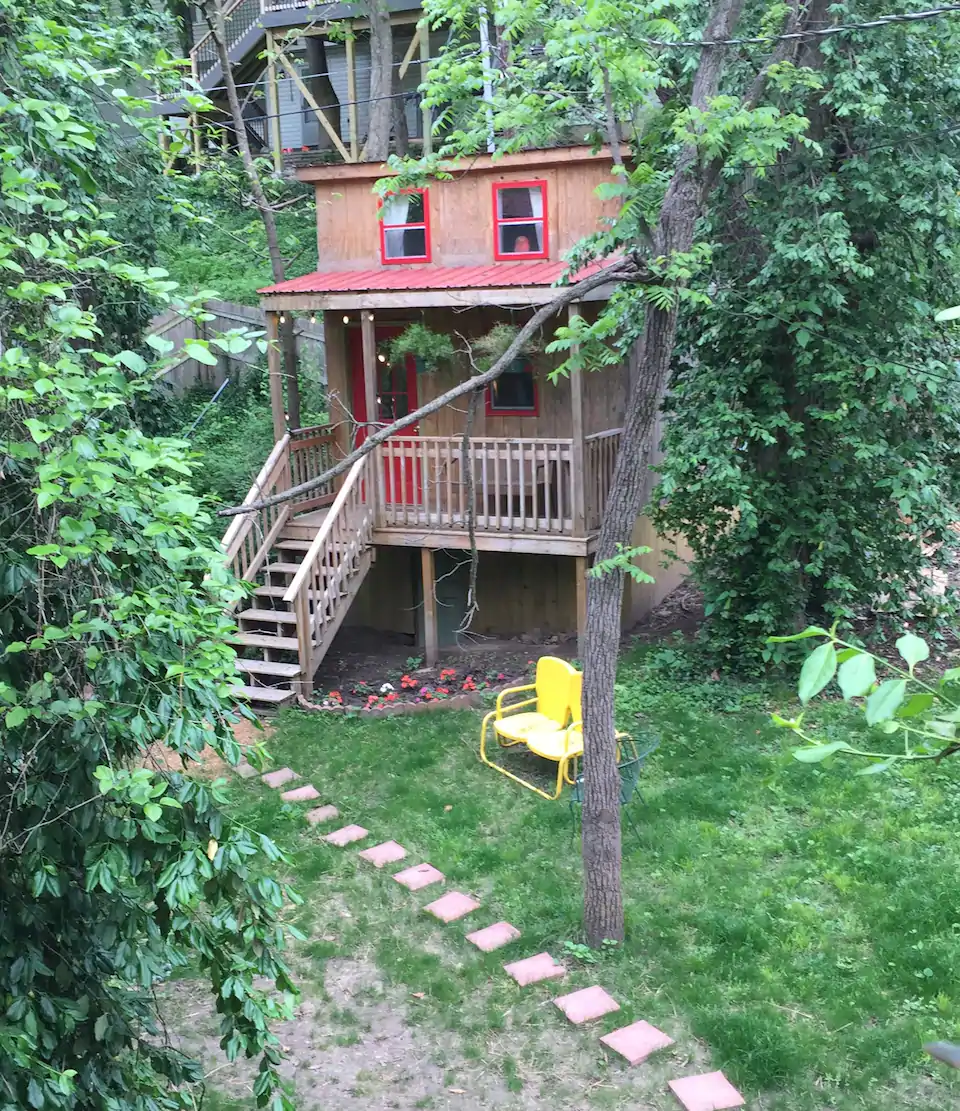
(812, 32)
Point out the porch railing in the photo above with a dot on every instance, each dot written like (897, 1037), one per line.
(599, 459)
(519, 485)
(311, 453)
(249, 538)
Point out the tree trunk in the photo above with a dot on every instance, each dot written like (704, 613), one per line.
(377, 146)
(652, 355)
(321, 87)
(213, 10)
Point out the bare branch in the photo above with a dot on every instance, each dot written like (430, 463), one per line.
(625, 270)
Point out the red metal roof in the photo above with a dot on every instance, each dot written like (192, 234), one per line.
(495, 276)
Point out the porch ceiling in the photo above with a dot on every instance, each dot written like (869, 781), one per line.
(519, 283)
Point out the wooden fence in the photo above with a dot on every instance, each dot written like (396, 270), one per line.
(228, 315)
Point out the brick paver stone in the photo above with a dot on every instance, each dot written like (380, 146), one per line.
(346, 836)
(279, 777)
(246, 770)
(321, 814)
(711, 1091)
(586, 1004)
(493, 937)
(450, 907)
(637, 1041)
(387, 853)
(531, 970)
(420, 875)
(307, 793)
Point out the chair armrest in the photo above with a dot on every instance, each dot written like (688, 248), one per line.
(514, 690)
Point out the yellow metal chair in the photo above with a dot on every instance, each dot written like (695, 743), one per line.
(547, 730)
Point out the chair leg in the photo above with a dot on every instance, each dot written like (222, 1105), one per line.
(633, 824)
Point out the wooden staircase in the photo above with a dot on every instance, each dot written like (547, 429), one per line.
(306, 570)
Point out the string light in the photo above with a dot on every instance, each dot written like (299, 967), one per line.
(313, 318)
(282, 319)
(382, 358)
(346, 320)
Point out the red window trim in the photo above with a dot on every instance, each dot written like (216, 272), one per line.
(497, 222)
(533, 412)
(425, 224)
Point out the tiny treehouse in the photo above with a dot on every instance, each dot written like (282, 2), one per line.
(419, 292)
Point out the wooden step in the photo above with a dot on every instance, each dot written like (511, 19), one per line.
(293, 545)
(270, 591)
(272, 695)
(279, 617)
(262, 640)
(269, 667)
(283, 568)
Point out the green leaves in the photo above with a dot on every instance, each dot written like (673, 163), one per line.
(856, 675)
(913, 649)
(815, 753)
(818, 669)
(885, 700)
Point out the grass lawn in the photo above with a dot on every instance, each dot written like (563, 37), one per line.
(794, 925)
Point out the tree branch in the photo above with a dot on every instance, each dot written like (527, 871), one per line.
(625, 270)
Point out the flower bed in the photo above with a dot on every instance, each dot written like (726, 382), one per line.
(424, 687)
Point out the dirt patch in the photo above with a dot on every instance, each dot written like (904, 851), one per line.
(210, 765)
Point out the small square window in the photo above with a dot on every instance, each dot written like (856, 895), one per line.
(520, 221)
(514, 393)
(405, 227)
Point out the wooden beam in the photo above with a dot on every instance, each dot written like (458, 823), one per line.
(368, 339)
(275, 374)
(419, 537)
(411, 50)
(273, 105)
(424, 70)
(419, 299)
(308, 97)
(576, 431)
(352, 94)
(431, 635)
(580, 570)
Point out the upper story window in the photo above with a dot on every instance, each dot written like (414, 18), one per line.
(514, 393)
(519, 220)
(405, 227)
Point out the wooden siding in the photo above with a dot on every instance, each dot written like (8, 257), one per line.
(461, 213)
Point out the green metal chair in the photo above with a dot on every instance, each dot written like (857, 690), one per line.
(629, 784)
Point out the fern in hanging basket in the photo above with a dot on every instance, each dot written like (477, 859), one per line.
(430, 349)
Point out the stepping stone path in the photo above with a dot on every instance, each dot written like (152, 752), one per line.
(346, 836)
(708, 1092)
(418, 877)
(321, 814)
(531, 970)
(637, 1041)
(279, 777)
(493, 937)
(587, 1004)
(301, 794)
(387, 853)
(450, 907)
(711, 1091)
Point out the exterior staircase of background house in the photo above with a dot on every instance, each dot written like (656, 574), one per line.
(245, 40)
(306, 570)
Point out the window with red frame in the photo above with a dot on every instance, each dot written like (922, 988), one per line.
(405, 227)
(514, 393)
(519, 220)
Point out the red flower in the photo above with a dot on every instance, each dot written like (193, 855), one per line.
(392, 696)
(442, 690)
(501, 676)
(447, 673)
(372, 698)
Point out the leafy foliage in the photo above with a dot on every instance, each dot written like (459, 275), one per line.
(918, 715)
(216, 238)
(813, 416)
(431, 349)
(113, 871)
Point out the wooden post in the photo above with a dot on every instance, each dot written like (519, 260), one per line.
(311, 101)
(275, 373)
(431, 637)
(352, 95)
(576, 431)
(194, 118)
(273, 104)
(424, 69)
(580, 570)
(368, 338)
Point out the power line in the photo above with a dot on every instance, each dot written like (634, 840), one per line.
(813, 32)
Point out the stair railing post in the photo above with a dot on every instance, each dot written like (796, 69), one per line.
(368, 336)
(305, 637)
(275, 374)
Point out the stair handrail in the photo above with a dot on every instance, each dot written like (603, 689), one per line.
(227, 13)
(243, 522)
(310, 556)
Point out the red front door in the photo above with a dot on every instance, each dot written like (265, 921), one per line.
(396, 397)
